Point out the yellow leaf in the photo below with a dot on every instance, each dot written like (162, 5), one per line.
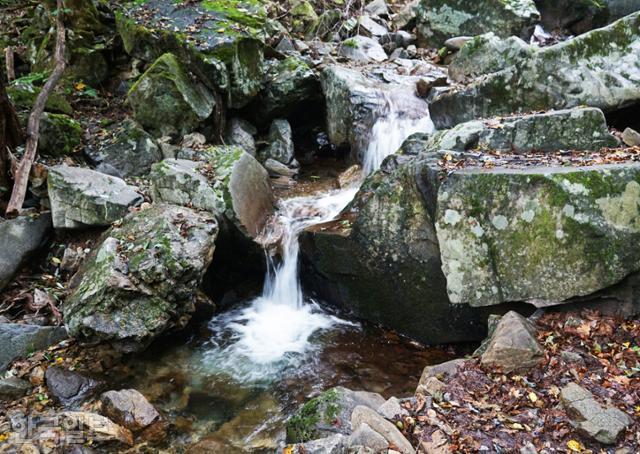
(3, 437)
(532, 397)
(287, 450)
(517, 426)
(80, 86)
(626, 344)
(221, 30)
(56, 260)
(574, 446)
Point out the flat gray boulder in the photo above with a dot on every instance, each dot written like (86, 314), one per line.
(572, 129)
(19, 340)
(439, 20)
(85, 198)
(19, 239)
(604, 424)
(579, 71)
(143, 279)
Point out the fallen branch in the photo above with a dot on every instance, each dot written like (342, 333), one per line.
(21, 179)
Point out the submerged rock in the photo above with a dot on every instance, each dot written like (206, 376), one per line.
(439, 20)
(513, 346)
(20, 340)
(604, 424)
(329, 414)
(574, 129)
(167, 100)
(144, 277)
(130, 152)
(573, 73)
(20, 238)
(82, 197)
(132, 410)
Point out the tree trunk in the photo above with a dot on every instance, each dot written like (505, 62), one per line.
(21, 179)
(10, 133)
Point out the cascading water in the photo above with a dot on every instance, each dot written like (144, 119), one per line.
(256, 343)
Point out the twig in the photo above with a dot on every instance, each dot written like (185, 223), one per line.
(21, 179)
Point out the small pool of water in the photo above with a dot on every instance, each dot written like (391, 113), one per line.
(207, 393)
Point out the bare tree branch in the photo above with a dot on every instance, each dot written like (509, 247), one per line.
(21, 179)
(10, 133)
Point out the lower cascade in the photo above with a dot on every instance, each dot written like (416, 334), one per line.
(256, 342)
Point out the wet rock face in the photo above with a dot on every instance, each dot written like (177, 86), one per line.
(439, 20)
(572, 229)
(575, 72)
(81, 197)
(575, 129)
(20, 238)
(604, 424)
(166, 100)
(144, 277)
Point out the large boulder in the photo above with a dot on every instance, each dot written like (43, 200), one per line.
(576, 72)
(20, 340)
(439, 20)
(229, 183)
(290, 85)
(167, 100)
(82, 197)
(329, 414)
(228, 52)
(60, 135)
(144, 277)
(486, 54)
(572, 129)
(537, 234)
(130, 151)
(20, 238)
(381, 258)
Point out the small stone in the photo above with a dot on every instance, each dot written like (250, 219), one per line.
(19, 340)
(371, 28)
(365, 415)
(362, 49)
(277, 169)
(513, 346)
(631, 137)
(97, 426)
(240, 132)
(424, 87)
(13, 388)
(571, 357)
(36, 377)
(604, 424)
(392, 408)
(350, 177)
(281, 146)
(367, 437)
(193, 140)
(377, 8)
(432, 387)
(132, 410)
(70, 388)
(71, 259)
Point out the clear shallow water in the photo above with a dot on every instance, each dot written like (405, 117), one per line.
(212, 396)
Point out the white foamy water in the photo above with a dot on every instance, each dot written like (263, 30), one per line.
(390, 130)
(273, 332)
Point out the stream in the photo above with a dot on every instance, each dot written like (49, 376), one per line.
(237, 380)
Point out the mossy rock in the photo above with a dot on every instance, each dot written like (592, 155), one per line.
(143, 278)
(166, 100)
(439, 20)
(23, 96)
(328, 414)
(60, 135)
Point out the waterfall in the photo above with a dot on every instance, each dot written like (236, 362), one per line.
(259, 340)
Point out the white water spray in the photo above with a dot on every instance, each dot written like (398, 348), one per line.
(257, 342)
